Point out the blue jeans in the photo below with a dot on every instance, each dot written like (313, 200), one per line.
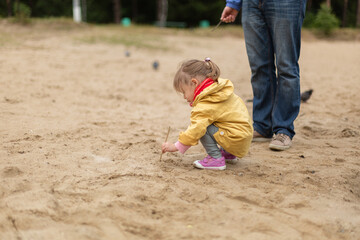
(209, 143)
(272, 30)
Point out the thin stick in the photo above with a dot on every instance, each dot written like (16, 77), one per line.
(216, 26)
(167, 135)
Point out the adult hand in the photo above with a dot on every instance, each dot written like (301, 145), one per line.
(168, 147)
(229, 15)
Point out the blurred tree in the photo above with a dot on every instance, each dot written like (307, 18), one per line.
(148, 11)
(162, 12)
(141, 11)
(343, 23)
(51, 8)
(31, 4)
(117, 11)
(134, 10)
(325, 20)
(22, 12)
(77, 11)
(9, 7)
(192, 12)
(100, 11)
(358, 14)
(309, 5)
(84, 10)
(17, 6)
(328, 3)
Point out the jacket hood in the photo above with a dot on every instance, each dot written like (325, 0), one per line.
(217, 92)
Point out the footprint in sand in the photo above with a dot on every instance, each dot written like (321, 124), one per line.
(12, 101)
(348, 132)
(11, 172)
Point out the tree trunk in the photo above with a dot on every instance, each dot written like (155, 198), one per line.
(9, 7)
(344, 20)
(84, 10)
(309, 5)
(134, 10)
(358, 15)
(76, 11)
(17, 4)
(328, 3)
(162, 11)
(31, 5)
(117, 11)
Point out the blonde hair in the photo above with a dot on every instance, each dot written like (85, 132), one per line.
(200, 70)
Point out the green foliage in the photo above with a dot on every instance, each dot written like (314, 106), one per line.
(22, 13)
(51, 8)
(309, 20)
(192, 12)
(325, 21)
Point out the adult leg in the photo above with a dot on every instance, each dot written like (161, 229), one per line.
(259, 47)
(284, 18)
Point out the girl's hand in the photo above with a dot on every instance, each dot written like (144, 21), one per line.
(168, 147)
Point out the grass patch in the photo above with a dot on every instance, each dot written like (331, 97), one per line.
(341, 34)
(56, 23)
(123, 38)
(6, 39)
(139, 36)
(149, 37)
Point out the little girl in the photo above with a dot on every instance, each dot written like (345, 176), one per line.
(218, 116)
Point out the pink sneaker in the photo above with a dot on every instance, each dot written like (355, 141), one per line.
(211, 163)
(229, 158)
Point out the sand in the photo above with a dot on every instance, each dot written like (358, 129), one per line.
(81, 125)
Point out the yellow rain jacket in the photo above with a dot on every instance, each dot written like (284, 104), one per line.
(219, 105)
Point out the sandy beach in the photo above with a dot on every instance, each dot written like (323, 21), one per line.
(81, 126)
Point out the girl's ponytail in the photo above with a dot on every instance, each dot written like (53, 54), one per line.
(215, 71)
